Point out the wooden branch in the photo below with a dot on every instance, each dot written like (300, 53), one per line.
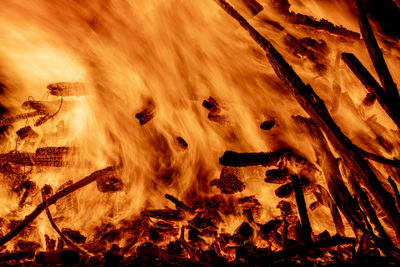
(390, 104)
(55, 227)
(302, 207)
(375, 52)
(53, 199)
(395, 190)
(330, 168)
(316, 108)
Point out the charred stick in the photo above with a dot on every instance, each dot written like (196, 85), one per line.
(302, 207)
(178, 204)
(53, 199)
(395, 190)
(390, 162)
(55, 227)
(390, 104)
(319, 113)
(375, 52)
(19, 117)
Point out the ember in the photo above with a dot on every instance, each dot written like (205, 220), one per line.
(209, 133)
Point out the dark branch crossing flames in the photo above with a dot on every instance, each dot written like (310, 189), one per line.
(159, 132)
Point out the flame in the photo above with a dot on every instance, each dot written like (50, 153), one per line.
(168, 57)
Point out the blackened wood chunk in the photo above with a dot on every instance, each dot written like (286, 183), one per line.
(277, 176)
(175, 248)
(286, 208)
(244, 233)
(27, 245)
(144, 116)
(166, 214)
(284, 191)
(314, 205)
(249, 200)
(148, 252)
(323, 236)
(109, 184)
(26, 132)
(211, 104)
(64, 257)
(229, 182)
(206, 219)
(271, 226)
(267, 125)
(75, 236)
(181, 143)
(113, 257)
(369, 99)
(50, 243)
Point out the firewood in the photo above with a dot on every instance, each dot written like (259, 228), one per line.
(277, 176)
(53, 150)
(390, 104)
(212, 105)
(253, 6)
(178, 204)
(302, 207)
(23, 116)
(267, 229)
(267, 125)
(165, 214)
(110, 183)
(181, 142)
(16, 256)
(26, 132)
(243, 233)
(369, 99)
(316, 108)
(64, 257)
(76, 236)
(53, 199)
(67, 89)
(42, 120)
(283, 7)
(375, 53)
(144, 116)
(395, 190)
(229, 181)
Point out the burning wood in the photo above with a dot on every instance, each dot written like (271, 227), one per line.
(11, 120)
(229, 181)
(144, 116)
(166, 214)
(64, 257)
(26, 132)
(277, 176)
(67, 89)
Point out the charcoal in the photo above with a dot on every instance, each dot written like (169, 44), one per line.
(228, 182)
(74, 235)
(211, 104)
(323, 236)
(27, 245)
(284, 191)
(50, 243)
(267, 125)
(244, 233)
(148, 252)
(271, 226)
(277, 176)
(113, 257)
(109, 184)
(181, 143)
(286, 208)
(64, 257)
(369, 99)
(26, 132)
(144, 116)
(314, 205)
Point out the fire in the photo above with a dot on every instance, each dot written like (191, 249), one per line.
(159, 90)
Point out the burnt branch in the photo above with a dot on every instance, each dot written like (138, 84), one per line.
(23, 116)
(390, 104)
(53, 199)
(375, 52)
(319, 113)
(302, 207)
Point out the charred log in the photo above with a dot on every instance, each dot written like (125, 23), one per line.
(302, 207)
(11, 120)
(277, 176)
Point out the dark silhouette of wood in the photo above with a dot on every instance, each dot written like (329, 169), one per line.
(302, 207)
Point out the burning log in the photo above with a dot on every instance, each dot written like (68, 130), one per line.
(67, 89)
(212, 105)
(165, 214)
(26, 132)
(17, 256)
(53, 150)
(178, 204)
(23, 116)
(302, 207)
(33, 159)
(229, 182)
(389, 104)
(316, 108)
(144, 116)
(267, 125)
(76, 236)
(375, 53)
(277, 176)
(283, 7)
(53, 199)
(64, 257)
